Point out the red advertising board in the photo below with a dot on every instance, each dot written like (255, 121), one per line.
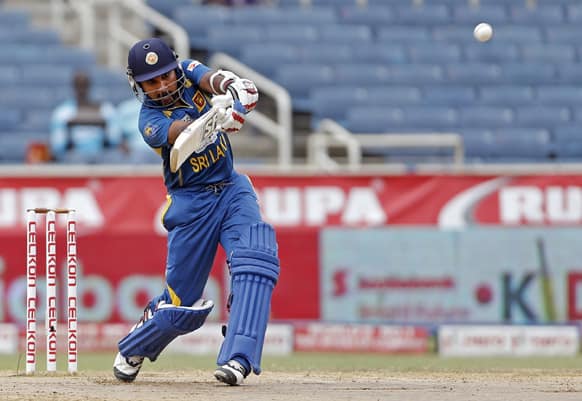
(122, 244)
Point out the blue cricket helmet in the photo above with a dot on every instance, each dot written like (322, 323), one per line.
(149, 58)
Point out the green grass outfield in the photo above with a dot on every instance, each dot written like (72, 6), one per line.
(333, 362)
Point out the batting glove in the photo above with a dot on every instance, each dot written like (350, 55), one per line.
(231, 119)
(245, 91)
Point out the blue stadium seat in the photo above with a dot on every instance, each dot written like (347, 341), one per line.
(10, 118)
(574, 13)
(472, 73)
(426, 14)
(448, 95)
(273, 15)
(31, 36)
(542, 116)
(38, 74)
(513, 144)
(559, 95)
(334, 102)
(519, 34)
(434, 118)
(325, 53)
(528, 73)
(266, 57)
(402, 33)
(218, 39)
(568, 143)
(299, 79)
(564, 33)
(292, 33)
(545, 53)
(361, 74)
(167, 7)
(570, 73)
(491, 52)
(414, 74)
(354, 35)
(379, 53)
(506, 95)
(9, 75)
(101, 76)
(485, 117)
(434, 53)
(454, 33)
(464, 13)
(13, 148)
(14, 19)
(374, 120)
(371, 16)
(197, 19)
(540, 14)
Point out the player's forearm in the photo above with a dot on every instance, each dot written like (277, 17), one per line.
(175, 129)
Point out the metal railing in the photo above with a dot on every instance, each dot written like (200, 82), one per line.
(331, 134)
(119, 39)
(282, 128)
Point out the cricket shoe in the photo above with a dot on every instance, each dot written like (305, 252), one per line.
(126, 369)
(232, 373)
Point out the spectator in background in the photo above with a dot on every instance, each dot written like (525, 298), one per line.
(137, 150)
(82, 129)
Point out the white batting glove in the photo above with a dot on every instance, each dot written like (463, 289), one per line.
(230, 116)
(245, 91)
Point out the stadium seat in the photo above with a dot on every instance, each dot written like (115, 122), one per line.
(460, 34)
(296, 34)
(266, 57)
(375, 120)
(485, 117)
(379, 53)
(559, 95)
(299, 79)
(506, 95)
(448, 95)
(14, 19)
(544, 53)
(465, 13)
(434, 53)
(522, 145)
(197, 19)
(9, 75)
(38, 74)
(373, 17)
(574, 13)
(414, 74)
(472, 73)
(570, 73)
(542, 116)
(10, 118)
(563, 33)
(402, 33)
(325, 53)
(167, 7)
(426, 14)
(528, 73)
(362, 74)
(518, 34)
(491, 52)
(541, 14)
(354, 35)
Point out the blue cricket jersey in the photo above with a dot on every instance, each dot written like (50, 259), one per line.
(215, 162)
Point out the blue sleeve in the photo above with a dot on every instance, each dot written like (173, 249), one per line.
(154, 127)
(194, 70)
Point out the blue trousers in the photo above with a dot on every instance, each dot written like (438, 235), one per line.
(197, 220)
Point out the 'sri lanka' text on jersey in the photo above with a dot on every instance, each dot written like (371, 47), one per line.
(215, 162)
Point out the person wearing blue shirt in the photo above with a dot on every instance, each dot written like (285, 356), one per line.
(208, 203)
(82, 129)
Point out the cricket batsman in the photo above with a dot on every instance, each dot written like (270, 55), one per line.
(208, 202)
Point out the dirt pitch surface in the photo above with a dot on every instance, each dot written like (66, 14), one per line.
(530, 385)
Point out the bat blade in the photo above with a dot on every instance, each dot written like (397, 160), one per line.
(192, 138)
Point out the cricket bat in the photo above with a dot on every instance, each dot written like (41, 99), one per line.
(195, 136)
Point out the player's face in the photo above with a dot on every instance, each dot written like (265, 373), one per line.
(162, 88)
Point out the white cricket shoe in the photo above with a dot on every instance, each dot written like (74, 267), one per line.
(232, 373)
(126, 369)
